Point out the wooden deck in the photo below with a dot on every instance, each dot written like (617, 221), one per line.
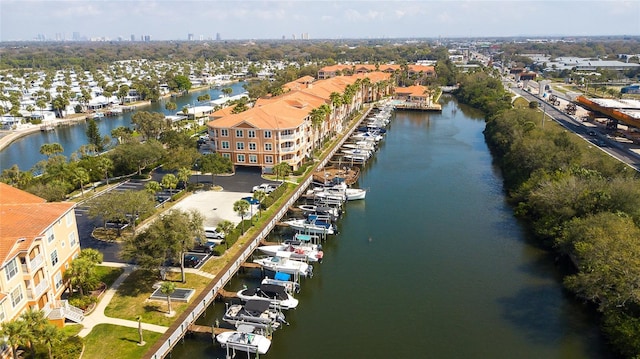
(327, 174)
(226, 294)
(205, 329)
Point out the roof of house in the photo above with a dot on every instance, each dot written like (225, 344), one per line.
(415, 90)
(25, 217)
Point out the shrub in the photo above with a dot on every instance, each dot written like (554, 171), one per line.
(82, 302)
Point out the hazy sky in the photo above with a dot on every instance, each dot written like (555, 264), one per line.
(174, 19)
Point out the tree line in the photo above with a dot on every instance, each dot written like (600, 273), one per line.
(583, 206)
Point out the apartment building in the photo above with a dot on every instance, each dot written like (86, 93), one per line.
(280, 129)
(38, 240)
(419, 72)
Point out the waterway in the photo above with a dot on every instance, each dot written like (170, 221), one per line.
(25, 152)
(431, 265)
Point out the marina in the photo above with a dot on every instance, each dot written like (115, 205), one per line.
(461, 282)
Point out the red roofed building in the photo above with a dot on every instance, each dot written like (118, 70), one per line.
(281, 129)
(38, 240)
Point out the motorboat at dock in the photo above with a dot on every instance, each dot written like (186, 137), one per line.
(255, 312)
(244, 339)
(283, 262)
(275, 295)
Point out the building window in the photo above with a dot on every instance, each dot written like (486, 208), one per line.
(267, 134)
(286, 132)
(239, 145)
(54, 257)
(251, 133)
(72, 239)
(11, 269)
(268, 147)
(268, 159)
(49, 234)
(225, 145)
(240, 158)
(69, 219)
(253, 159)
(226, 155)
(239, 133)
(252, 146)
(16, 296)
(58, 280)
(224, 133)
(2, 316)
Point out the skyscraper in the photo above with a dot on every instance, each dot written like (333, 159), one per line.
(189, 37)
(218, 38)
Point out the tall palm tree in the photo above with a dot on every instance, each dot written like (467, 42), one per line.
(259, 196)
(167, 288)
(36, 322)
(241, 207)
(51, 336)
(15, 333)
(225, 227)
(80, 177)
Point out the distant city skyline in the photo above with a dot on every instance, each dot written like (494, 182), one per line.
(69, 20)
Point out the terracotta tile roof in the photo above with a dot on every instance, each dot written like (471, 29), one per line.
(23, 221)
(415, 90)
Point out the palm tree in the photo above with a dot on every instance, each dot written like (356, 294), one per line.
(241, 207)
(50, 149)
(80, 274)
(167, 288)
(225, 227)
(259, 196)
(15, 334)
(170, 106)
(36, 322)
(153, 187)
(183, 175)
(169, 181)
(51, 336)
(81, 176)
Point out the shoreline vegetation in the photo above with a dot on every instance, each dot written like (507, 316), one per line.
(578, 203)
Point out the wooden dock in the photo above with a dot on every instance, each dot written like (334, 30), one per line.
(328, 174)
(206, 329)
(250, 265)
(226, 294)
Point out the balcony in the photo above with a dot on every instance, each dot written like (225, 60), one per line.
(33, 265)
(35, 293)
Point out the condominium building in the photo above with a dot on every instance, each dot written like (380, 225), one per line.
(38, 240)
(282, 128)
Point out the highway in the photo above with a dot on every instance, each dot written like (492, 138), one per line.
(613, 148)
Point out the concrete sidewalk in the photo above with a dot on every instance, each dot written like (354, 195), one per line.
(98, 317)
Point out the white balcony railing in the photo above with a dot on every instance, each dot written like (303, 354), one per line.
(36, 262)
(35, 293)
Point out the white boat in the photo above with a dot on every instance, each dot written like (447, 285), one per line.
(245, 340)
(97, 115)
(311, 209)
(311, 225)
(275, 295)
(283, 280)
(298, 250)
(354, 194)
(360, 145)
(283, 262)
(366, 135)
(357, 152)
(255, 312)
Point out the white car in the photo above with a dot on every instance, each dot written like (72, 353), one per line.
(265, 187)
(213, 235)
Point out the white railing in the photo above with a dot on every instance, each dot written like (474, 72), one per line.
(39, 289)
(223, 278)
(36, 262)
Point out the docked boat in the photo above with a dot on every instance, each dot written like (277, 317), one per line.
(312, 209)
(366, 135)
(245, 340)
(275, 295)
(283, 262)
(311, 225)
(283, 280)
(97, 115)
(298, 250)
(255, 312)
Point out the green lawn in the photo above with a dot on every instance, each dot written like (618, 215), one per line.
(107, 340)
(131, 299)
(108, 275)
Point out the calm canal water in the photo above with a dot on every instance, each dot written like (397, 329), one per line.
(431, 265)
(25, 152)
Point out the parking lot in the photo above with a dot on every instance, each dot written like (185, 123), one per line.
(215, 206)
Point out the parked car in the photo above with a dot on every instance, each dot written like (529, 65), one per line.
(265, 187)
(251, 200)
(591, 133)
(191, 261)
(212, 233)
(204, 247)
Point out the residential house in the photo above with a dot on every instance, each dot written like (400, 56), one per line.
(38, 240)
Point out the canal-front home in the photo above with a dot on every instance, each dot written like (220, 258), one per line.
(281, 129)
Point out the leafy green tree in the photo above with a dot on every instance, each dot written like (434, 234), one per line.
(14, 177)
(122, 134)
(135, 157)
(241, 207)
(184, 174)
(35, 322)
(51, 149)
(227, 91)
(170, 106)
(51, 337)
(80, 177)
(282, 170)
(123, 92)
(81, 275)
(150, 124)
(215, 164)
(260, 195)
(153, 187)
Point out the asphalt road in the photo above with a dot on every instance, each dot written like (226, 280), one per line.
(242, 181)
(613, 148)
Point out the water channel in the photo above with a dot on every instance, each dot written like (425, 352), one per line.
(431, 265)
(25, 151)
